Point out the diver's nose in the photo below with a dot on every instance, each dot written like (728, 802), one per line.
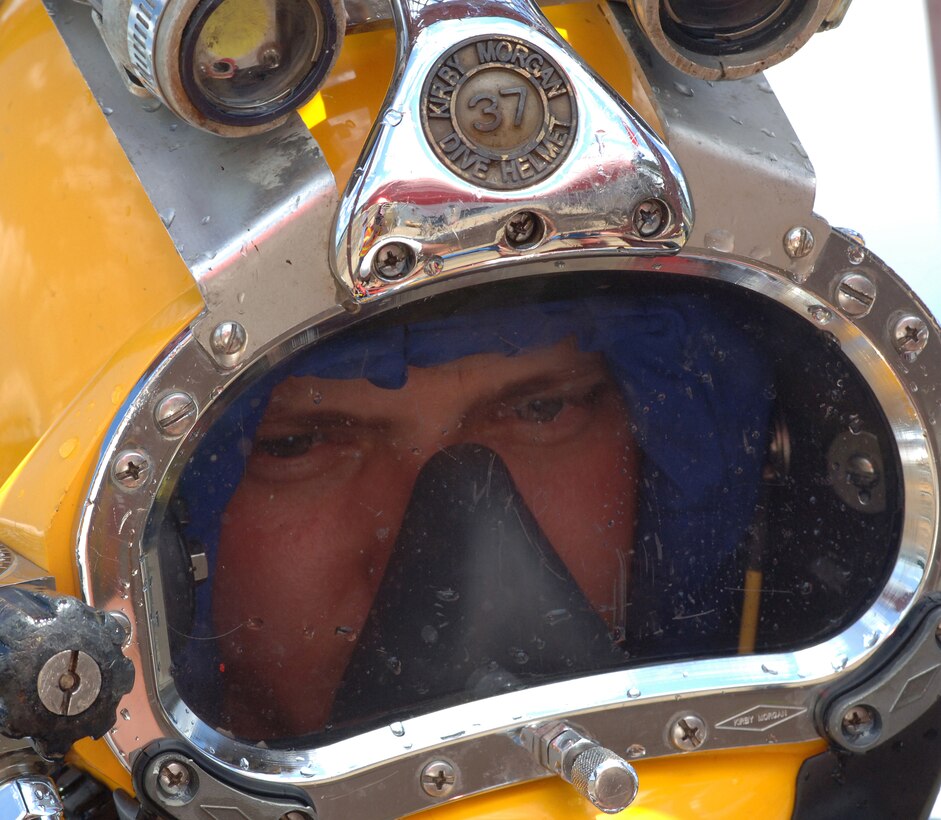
(474, 596)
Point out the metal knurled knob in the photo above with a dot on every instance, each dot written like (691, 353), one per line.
(605, 779)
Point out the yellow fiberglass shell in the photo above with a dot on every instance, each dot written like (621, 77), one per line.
(92, 290)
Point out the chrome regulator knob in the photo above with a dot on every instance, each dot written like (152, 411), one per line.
(599, 775)
(606, 779)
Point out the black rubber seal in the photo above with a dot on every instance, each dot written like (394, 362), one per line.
(897, 779)
(714, 45)
(272, 111)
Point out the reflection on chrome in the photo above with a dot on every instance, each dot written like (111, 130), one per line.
(623, 707)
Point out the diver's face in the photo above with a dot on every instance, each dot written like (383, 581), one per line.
(308, 533)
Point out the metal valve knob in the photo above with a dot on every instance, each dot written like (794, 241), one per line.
(62, 671)
(605, 779)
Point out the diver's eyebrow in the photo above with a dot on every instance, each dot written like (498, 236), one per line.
(310, 419)
(568, 378)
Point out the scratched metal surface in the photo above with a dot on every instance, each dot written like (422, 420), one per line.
(862, 99)
(844, 104)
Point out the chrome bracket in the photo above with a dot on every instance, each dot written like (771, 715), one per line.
(30, 797)
(497, 144)
(184, 790)
(249, 217)
(875, 711)
(750, 179)
(15, 570)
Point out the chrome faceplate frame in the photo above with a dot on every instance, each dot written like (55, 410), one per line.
(743, 701)
(749, 700)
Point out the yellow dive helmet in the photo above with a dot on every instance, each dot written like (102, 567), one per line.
(494, 449)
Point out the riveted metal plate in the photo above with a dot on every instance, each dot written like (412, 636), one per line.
(499, 112)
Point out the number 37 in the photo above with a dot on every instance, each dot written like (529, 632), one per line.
(493, 111)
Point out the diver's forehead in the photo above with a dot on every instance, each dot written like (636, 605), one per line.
(463, 380)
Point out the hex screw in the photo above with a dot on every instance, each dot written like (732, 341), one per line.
(688, 733)
(175, 413)
(392, 261)
(650, 218)
(859, 724)
(798, 242)
(131, 468)
(174, 779)
(523, 228)
(438, 778)
(910, 336)
(856, 295)
(228, 341)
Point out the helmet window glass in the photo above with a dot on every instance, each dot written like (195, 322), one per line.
(496, 489)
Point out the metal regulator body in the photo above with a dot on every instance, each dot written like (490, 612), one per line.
(195, 191)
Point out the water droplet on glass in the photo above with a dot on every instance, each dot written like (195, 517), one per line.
(254, 623)
(557, 616)
(767, 132)
(765, 87)
(839, 663)
(768, 670)
(68, 447)
(870, 639)
(243, 764)
(394, 665)
(307, 771)
(125, 714)
(820, 314)
(519, 657)
(635, 750)
(633, 692)
(683, 89)
(151, 105)
(167, 217)
(736, 120)
(429, 634)
(806, 588)
(447, 595)
(346, 632)
(206, 220)
(392, 117)
(106, 110)
(397, 729)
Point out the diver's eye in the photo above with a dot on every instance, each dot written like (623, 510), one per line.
(540, 411)
(287, 446)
